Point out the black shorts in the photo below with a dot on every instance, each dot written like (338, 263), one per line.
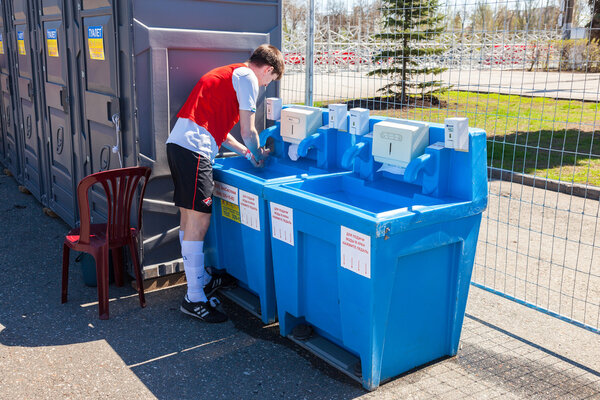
(192, 178)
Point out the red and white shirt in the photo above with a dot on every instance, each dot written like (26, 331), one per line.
(212, 109)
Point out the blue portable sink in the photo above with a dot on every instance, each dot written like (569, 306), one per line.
(238, 239)
(372, 270)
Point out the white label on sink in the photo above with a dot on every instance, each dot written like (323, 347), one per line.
(356, 252)
(282, 221)
(226, 192)
(249, 210)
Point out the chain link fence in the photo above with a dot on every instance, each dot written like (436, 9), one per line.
(528, 73)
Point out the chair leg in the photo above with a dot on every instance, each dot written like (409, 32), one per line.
(117, 257)
(136, 268)
(65, 273)
(101, 257)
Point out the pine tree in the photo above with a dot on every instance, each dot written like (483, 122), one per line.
(405, 24)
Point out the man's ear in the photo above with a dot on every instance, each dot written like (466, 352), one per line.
(269, 69)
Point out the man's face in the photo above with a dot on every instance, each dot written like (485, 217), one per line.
(266, 75)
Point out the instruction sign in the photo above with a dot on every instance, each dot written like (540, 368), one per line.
(230, 210)
(249, 210)
(52, 42)
(1, 44)
(356, 252)
(21, 43)
(96, 43)
(226, 192)
(282, 222)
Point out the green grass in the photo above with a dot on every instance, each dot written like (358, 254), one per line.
(556, 139)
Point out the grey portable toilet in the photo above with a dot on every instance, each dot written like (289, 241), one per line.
(10, 142)
(28, 96)
(113, 75)
(61, 106)
(81, 79)
(3, 67)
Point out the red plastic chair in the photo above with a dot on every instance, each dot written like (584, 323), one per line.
(96, 239)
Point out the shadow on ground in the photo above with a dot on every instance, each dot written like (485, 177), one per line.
(173, 355)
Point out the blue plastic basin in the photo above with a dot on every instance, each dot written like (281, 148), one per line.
(376, 267)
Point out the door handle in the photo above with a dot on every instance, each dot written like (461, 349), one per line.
(113, 107)
(64, 99)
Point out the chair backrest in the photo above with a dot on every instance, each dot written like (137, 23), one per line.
(119, 186)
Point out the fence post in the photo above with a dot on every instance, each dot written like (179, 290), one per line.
(310, 46)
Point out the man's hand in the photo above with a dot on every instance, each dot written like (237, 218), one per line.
(263, 153)
(250, 157)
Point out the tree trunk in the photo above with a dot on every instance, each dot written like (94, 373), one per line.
(595, 24)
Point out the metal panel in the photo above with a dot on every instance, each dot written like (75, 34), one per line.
(215, 15)
(29, 129)
(61, 144)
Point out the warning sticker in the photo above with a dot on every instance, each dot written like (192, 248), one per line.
(96, 43)
(226, 192)
(282, 221)
(249, 210)
(52, 42)
(21, 43)
(230, 210)
(356, 252)
(1, 45)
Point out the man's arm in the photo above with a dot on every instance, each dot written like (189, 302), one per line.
(232, 144)
(250, 135)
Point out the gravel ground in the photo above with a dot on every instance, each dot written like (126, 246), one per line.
(542, 247)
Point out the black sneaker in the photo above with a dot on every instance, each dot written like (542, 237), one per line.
(203, 311)
(219, 280)
(215, 303)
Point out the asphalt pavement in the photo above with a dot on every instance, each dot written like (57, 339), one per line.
(50, 350)
(340, 85)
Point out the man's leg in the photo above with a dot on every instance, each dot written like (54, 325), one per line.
(182, 225)
(195, 225)
(192, 191)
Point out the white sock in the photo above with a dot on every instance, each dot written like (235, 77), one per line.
(193, 263)
(207, 276)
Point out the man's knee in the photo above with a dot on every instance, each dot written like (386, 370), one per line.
(196, 225)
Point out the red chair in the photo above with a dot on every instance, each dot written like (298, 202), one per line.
(96, 239)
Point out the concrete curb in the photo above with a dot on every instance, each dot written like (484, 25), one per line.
(574, 189)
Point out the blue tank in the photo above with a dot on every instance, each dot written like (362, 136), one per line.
(372, 268)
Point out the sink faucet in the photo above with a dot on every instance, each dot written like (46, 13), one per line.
(423, 163)
(360, 149)
(434, 166)
(272, 131)
(314, 140)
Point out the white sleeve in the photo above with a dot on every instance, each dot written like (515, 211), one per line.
(245, 85)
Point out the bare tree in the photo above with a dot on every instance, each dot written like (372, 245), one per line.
(294, 15)
(595, 22)
(482, 18)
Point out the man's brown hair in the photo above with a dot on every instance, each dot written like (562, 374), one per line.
(266, 54)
